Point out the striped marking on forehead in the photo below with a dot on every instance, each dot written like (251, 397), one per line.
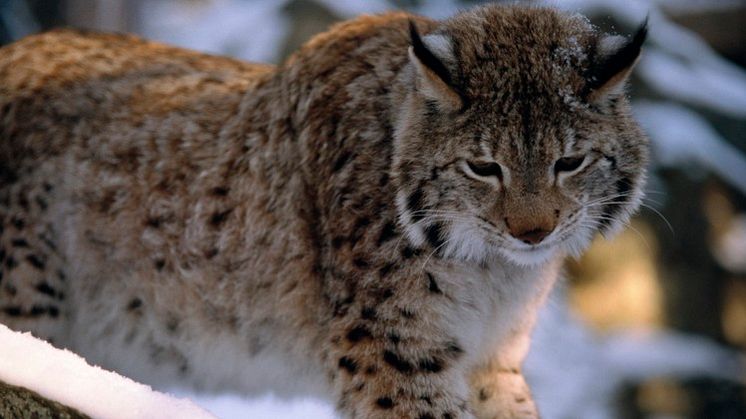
(568, 140)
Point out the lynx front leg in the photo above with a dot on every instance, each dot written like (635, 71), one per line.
(394, 359)
(498, 388)
(376, 378)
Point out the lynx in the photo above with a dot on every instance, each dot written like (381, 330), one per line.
(374, 221)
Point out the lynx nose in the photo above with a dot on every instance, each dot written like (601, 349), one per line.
(529, 233)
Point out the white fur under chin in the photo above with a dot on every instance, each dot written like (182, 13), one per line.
(530, 257)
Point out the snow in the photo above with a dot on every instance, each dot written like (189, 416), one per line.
(576, 373)
(65, 377)
(681, 136)
(694, 83)
(228, 406)
(250, 30)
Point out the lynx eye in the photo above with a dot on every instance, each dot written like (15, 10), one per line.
(568, 164)
(486, 169)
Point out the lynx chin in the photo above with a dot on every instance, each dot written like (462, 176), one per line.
(374, 221)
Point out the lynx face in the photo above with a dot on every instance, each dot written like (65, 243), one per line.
(520, 145)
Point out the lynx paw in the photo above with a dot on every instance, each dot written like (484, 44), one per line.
(503, 395)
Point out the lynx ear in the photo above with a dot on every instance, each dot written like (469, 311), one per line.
(616, 58)
(434, 80)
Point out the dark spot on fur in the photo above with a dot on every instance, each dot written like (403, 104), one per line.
(432, 285)
(361, 222)
(37, 310)
(172, 324)
(12, 311)
(427, 400)
(11, 262)
(159, 264)
(454, 349)
(371, 370)
(358, 388)
(388, 232)
(484, 395)
(2, 254)
(135, 303)
(430, 365)
(414, 204)
(368, 313)
(447, 415)
(47, 187)
(348, 364)
(47, 241)
(358, 333)
(385, 402)
(220, 191)
(53, 311)
(61, 275)
(23, 201)
(385, 269)
(19, 243)
(211, 253)
(393, 338)
(434, 235)
(426, 416)
(360, 262)
(41, 203)
(219, 217)
(407, 252)
(154, 222)
(406, 313)
(341, 306)
(18, 223)
(397, 362)
(341, 161)
(387, 293)
(35, 261)
(45, 289)
(337, 242)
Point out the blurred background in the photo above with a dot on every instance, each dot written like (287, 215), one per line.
(650, 324)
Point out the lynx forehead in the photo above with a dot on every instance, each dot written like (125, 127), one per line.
(374, 221)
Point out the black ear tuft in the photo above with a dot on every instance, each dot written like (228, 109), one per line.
(426, 57)
(617, 61)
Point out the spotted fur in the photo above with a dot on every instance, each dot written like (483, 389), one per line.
(374, 221)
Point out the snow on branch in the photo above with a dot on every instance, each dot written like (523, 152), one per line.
(64, 377)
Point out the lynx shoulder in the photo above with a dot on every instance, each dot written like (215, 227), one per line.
(374, 221)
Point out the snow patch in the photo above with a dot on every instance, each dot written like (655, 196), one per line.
(62, 376)
(681, 136)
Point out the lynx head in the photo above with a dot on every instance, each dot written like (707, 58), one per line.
(515, 138)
